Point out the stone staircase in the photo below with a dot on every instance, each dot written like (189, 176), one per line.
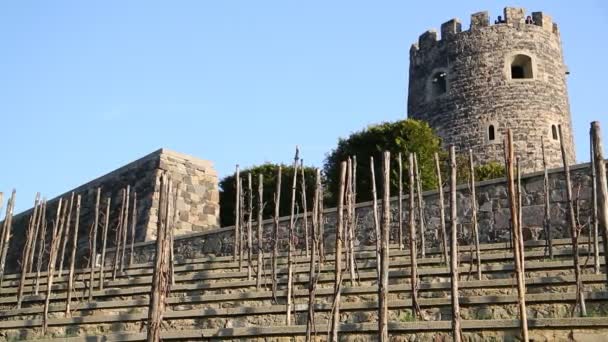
(213, 299)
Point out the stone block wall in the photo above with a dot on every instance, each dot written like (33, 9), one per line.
(197, 203)
(493, 217)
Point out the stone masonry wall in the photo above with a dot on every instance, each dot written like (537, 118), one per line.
(198, 201)
(480, 90)
(493, 217)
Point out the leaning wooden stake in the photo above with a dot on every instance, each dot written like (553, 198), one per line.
(241, 219)
(6, 234)
(456, 329)
(413, 249)
(292, 227)
(384, 250)
(474, 213)
(73, 257)
(237, 215)
(118, 234)
(29, 237)
(66, 235)
(37, 227)
(518, 241)
(42, 248)
(125, 224)
(249, 226)
(350, 223)
(275, 237)
(160, 279)
(400, 204)
(56, 236)
(260, 236)
(376, 218)
(104, 238)
(444, 235)
(420, 206)
(93, 239)
(546, 189)
(335, 317)
(305, 210)
(574, 230)
(312, 278)
(35, 221)
(602, 187)
(594, 228)
(133, 223)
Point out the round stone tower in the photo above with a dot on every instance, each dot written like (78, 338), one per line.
(470, 86)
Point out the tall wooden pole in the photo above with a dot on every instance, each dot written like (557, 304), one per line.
(6, 234)
(384, 251)
(456, 329)
(350, 222)
(602, 187)
(29, 237)
(444, 235)
(292, 223)
(133, 224)
(42, 248)
(249, 226)
(312, 279)
(38, 225)
(104, 237)
(93, 239)
(118, 234)
(260, 233)
(237, 214)
(518, 241)
(35, 226)
(420, 202)
(594, 226)
(73, 257)
(546, 189)
(400, 199)
(412, 228)
(474, 214)
(376, 218)
(56, 236)
(275, 238)
(335, 318)
(125, 224)
(574, 230)
(66, 235)
(305, 210)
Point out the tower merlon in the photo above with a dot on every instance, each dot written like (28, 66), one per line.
(427, 39)
(450, 28)
(515, 16)
(480, 20)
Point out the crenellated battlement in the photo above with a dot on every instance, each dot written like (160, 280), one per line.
(512, 17)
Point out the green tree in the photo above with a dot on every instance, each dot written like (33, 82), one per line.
(228, 190)
(404, 136)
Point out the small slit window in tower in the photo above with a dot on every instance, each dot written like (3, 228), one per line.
(521, 67)
(554, 132)
(439, 83)
(491, 133)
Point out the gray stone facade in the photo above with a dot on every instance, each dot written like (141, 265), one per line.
(463, 83)
(493, 217)
(197, 204)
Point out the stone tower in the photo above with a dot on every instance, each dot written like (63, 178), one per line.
(470, 86)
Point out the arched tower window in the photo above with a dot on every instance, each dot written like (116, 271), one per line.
(491, 133)
(554, 133)
(521, 67)
(439, 83)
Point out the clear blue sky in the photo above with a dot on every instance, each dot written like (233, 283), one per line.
(87, 86)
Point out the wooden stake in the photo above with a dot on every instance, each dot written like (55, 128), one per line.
(133, 224)
(602, 187)
(412, 228)
(56, 235)
(305, 210)
(260, 235)
(42, 248)
(237, 215)
(312, 279)
(29, 237)
(160, 279)
(594, 225)
(420, 207)
(444, 235)
(249, 226)
(384, 250)
(375, 214)
(73, 256)
(241, 224)
(6, 234)
(35, 226)
(36, 231)
(66, 234)
(456, 330)
(275, 239)
(292, 223)
(518, 241)
(93, 239)
(546, 189)
(106, 224)
(474, 214)
(335, 317)
(172, 234)
(118, 234)
(400, 205)
(520, 218)
(574, 230)
(350, 219)
(125, 225)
